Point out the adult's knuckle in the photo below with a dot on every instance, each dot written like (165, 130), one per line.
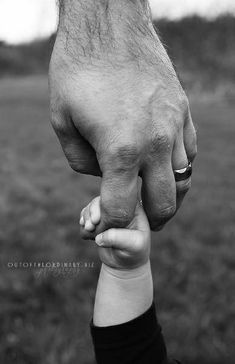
(125, 154)
(161, 140)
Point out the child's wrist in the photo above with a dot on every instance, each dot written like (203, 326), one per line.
(126, 273)
(122, 294)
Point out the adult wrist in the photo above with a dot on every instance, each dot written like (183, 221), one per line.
(118, 31)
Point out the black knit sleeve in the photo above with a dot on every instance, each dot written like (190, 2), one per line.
(139, 341)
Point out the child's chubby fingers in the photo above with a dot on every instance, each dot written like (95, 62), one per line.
(88, 225)
(94, 209)
(89, 218)
(82, 220)
(123, 239)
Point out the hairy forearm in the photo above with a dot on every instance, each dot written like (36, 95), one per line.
(95, 15)
(101, 29)
(122, 295)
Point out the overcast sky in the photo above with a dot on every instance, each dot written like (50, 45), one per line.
(24, 20)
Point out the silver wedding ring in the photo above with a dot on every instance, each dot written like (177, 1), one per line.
(184, 173)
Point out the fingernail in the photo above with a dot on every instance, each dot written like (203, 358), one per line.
(99, 240)
(81, 222)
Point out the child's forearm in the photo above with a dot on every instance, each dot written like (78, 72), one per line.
(122, 295)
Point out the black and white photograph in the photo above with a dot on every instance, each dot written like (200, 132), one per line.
(117, 175)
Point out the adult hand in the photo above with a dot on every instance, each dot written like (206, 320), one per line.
(118, 108)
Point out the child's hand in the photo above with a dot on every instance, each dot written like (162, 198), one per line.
(120, 248)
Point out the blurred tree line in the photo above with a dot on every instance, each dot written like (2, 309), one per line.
(202, 50)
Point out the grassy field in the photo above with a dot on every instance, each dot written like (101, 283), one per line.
(44, 316)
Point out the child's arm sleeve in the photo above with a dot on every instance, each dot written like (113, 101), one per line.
(139, 341)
